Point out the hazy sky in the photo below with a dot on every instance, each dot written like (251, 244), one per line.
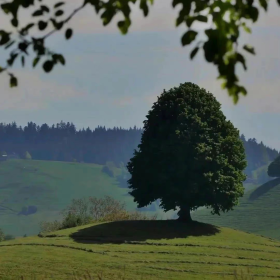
(113, 80)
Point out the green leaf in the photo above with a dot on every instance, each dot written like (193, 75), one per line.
(12, 58)
(35, 61)
(123, 26)
(263, 3)
(48, 66)
(241, 59)
(13, 81)
(58, 4)
(249, 49)
(194, 52)
(59, 57)
(188, 37)
(202, 18)
(144, 7)
(246, 28)
(254, 13)
(68, 33)
(42, 25)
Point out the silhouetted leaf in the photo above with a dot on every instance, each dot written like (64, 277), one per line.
(42, 25)
(14, 22)
(188, 37)
(10, 44)
(68, 33)
(45, 8)
(58, 4)
(59, 13)
(48, 66)
(37, 13)
(22, 61)
(249, 49)
(13, 81)
(194, 52)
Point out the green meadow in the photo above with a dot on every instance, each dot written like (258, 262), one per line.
(258, 212)
(141, 250)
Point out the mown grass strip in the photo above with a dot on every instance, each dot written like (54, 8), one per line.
(101, 241)
(55, 245)
(208, 272)
(193, 254)
(207, 263)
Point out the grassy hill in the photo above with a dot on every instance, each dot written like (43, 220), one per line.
(49, 187)
(141, 250)
(258, 212)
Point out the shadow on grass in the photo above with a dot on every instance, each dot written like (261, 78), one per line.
(137, 231)
(264, 189)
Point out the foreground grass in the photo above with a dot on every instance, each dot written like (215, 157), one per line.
(141, 250)
(258, 212)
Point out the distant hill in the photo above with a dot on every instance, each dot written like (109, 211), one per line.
(150, 250)
(258, 212)
(34, 191)
(64, 142)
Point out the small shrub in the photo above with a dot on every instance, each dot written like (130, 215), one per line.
(9, 237)
(75, 220)
(2, 235)
(50, 226)
(86, 211)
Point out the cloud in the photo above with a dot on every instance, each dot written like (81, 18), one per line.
(33, 92)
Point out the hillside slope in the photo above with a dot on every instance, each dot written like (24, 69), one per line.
(141, 250)
(47, 187)
(258, 212)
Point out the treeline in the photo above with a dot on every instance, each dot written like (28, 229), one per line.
(64, 142)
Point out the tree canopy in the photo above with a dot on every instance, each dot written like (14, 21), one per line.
(274, 168)
(221, 47)
(189, 156)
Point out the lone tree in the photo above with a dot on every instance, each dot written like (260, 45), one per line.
(274, 168)
(189, 156)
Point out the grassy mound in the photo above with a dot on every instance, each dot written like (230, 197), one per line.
(47, 187)
(141, 250)
(258, 212)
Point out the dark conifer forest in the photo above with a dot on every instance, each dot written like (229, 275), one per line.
(64, 142)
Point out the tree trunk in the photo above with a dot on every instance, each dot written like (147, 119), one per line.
(185, 214)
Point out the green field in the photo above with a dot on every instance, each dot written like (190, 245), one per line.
(258, 212)
(50, 186)
(141, 250)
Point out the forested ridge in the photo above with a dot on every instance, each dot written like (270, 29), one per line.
(64, 142)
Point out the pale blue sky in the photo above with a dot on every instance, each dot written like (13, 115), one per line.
(112, 80)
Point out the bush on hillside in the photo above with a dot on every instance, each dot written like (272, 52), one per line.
(50, 226)
(274, 168)
(9, 237)
(108, 168)
(86, 211)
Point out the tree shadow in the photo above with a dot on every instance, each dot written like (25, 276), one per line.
(264, 189)
(137, 231)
